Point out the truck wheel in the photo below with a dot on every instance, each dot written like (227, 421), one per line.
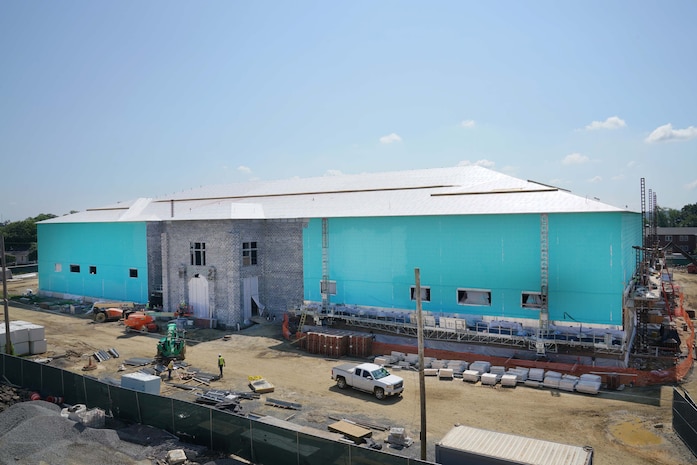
(100, 317)
(340, 382)
(379, 393)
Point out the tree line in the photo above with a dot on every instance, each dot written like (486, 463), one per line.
(686, 217)
(21, 236)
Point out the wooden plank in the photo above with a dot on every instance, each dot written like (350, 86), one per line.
(351, 431)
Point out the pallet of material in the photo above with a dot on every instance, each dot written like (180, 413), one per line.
(568, 383)
(552, 382)
(489, 379)
(430, 372)
(352, 431)
(536, 374)
(471, 376)
(261, 386)
(589, 384)
(509, 380)
(445, 373)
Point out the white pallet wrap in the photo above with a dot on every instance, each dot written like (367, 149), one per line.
(21, 348)
(471, 376)
(141, 382)
(36, 332)
(430, 372)
(481, 367)
(489, 379)
(445, 373)
(509, 380)
(497, 369)
(536, 374)
(38, 347)
(552, 382)
(568, 383)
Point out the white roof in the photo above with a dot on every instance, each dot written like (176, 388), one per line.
(462, 190)
(516, 449)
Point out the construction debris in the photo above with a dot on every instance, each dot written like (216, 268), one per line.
(283, 404)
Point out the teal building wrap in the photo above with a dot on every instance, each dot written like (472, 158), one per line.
(372, 263)
(100, 260)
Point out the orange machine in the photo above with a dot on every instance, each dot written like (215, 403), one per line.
(140, 321)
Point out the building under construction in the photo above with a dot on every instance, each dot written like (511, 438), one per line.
(506, 267)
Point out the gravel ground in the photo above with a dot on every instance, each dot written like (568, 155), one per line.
(34, 432)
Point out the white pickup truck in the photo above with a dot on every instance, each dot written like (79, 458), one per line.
(368, 377)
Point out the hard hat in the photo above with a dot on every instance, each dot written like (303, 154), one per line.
(220, 355)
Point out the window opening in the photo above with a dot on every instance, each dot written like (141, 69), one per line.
(93, 269)
(74, 268)
(198, 253)
(425, 293)
(532, 299)
(57, 267)
(133, 272)
(474, 297)
(249, 253)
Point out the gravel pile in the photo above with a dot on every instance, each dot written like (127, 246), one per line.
(35, 432)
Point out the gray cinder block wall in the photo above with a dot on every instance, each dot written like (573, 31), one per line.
(279, 268)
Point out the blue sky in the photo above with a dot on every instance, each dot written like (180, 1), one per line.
(102, 102)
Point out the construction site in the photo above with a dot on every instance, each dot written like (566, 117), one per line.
(654, 347)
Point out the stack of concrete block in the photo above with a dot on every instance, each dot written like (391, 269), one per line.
(536, 374)
(589, 383)
(27, 338)
(509, 380)
(489, 379)
(471, 376)
(552, 379)
(481, 367)
(568, 383)
(458, 366)
(521, 374)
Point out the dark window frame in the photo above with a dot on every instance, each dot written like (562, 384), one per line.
(197, 251)
(250, 253)
(425, 293)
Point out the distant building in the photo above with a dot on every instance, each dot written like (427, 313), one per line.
(684, 238)
(488, 246)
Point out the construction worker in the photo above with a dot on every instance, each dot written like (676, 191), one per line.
(170, 367)
(221, 364)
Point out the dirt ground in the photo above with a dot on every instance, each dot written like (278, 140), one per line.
(620, 432)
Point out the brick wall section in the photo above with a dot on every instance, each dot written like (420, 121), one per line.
(279, 268)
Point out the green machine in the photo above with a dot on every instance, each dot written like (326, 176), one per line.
(173, 345)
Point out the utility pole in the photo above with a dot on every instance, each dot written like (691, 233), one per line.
(422, 378)
(8, 340)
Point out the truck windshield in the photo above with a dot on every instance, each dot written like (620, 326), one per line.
(380, 373)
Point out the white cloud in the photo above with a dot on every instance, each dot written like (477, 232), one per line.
(484, 163)
(244, 169)
(691, 186)
(613, 122)
(333, 173)
(667, 133)
(468, 123)
(631, 164)
(575, 159)
(388, 139)
(618, 177)
(595, 179)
